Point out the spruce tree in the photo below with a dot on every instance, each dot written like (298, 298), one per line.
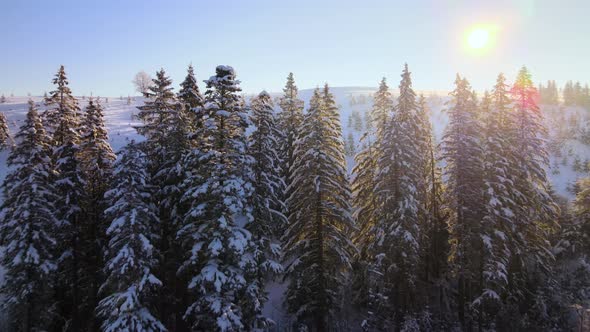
(191, 98)
(496, 220)
(498, 201)
(27, 229)
(57, 102)
(535, 212)
(289, 120)
(130, 286)
(434, 231)
(363, 187)
(63, 117)
(5, 140)
(268, 185)
(219, 249)
(96, 159)
(317, 241)
(396, 254)
(462, 153)
(166, 129)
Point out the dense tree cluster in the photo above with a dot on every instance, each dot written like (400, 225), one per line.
(572, 94)
(185, 229)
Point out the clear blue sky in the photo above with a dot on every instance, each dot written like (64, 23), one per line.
(345, 43)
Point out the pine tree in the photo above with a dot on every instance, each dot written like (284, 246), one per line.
(132, 255)
(96, 159)
(190, 96)
(316, 241)
(289, 120)
(63, 117)
(434, 232)
(462, 152)
(498, 202)
(5, 140)
(535, 211)
(167, 129)
(570, 245)
(219, 248)
(268, 187)
(59, 101)
(27, 229)
(363, 187)
(396, 253)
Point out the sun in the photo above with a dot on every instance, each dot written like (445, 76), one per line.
(479, 38)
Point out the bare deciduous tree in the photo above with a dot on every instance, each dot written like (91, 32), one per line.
(142, 82)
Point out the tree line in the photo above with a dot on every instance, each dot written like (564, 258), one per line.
(572, 94)
(184, 230)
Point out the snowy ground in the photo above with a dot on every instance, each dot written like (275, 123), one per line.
(120, 120)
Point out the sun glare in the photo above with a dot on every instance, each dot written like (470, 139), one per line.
(479, 38)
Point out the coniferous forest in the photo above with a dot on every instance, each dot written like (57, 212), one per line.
(193, 226)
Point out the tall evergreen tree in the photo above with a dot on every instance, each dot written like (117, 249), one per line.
(132, 255)
(434, 231)
(96, 159)
(289, 120)
(191, 98)
(166, 128)
(462, 152)
(535, 211)
(316, 241)
(363, 187)
(219, 259)
(57, 102)
(27, 229)
(497, 214)
(396, 254)
(268, 184)
(63, 117)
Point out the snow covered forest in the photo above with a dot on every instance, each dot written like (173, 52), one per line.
(196, 207)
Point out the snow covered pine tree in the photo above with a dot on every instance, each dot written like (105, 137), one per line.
(317, 245)
(62, 118)
(399, 182)
(462, 152)
(365, 197)
(96, 160)
(130, 285)
(219, 249)
(27, 229)
(289, 123)
(166, 127)
(268, 185)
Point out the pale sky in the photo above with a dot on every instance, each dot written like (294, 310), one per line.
(345, 43)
